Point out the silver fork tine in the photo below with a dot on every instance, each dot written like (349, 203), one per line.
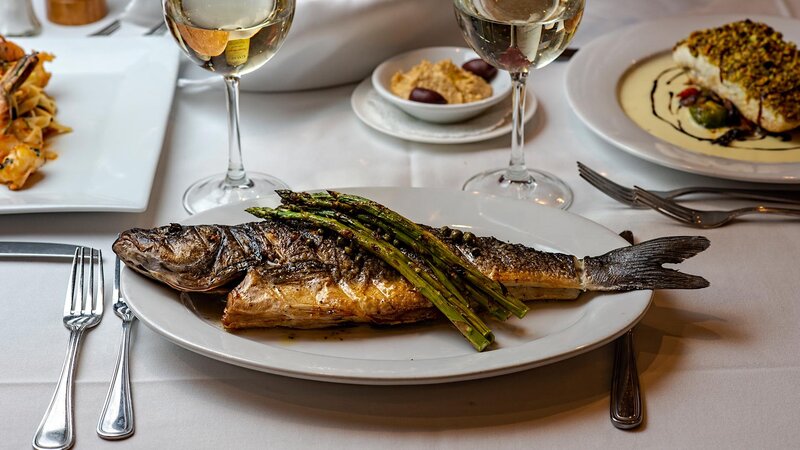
(76, 309)
(98, 306)
(665, 207)
(70, 296)
(613, 189)
(89, 303)
(608, 187)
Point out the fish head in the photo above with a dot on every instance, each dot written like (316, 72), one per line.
(184, 257)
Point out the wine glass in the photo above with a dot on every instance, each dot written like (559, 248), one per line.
(517, 35)
(231, 38)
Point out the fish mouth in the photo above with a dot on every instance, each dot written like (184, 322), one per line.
(134, 251)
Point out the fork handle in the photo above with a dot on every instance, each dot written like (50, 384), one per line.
(108, 29)
(763, 210)
(56, 431)
(769, 210)
(116, 419)
(774, 195)
(626, 399)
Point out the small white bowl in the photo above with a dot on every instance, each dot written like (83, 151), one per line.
(382, 76)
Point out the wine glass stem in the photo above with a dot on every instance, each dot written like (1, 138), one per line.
(235, 177)
(517, 172)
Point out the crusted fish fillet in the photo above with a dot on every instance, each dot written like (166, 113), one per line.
(749, 64)
(295, 276)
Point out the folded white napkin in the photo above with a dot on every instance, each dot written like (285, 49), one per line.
(333, 42)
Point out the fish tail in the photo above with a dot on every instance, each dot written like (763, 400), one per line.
(640, 266)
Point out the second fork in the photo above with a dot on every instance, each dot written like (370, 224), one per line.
(626, 195)
(704, 218)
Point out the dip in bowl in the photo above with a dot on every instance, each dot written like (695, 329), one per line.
(434, 112)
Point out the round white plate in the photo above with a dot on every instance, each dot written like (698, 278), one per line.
(381, 115)
(591, 83)
(422, 353)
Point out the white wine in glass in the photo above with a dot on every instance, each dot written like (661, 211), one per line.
(516, 36)
(231, 38)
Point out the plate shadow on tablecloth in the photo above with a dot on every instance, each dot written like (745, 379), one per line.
(579, 385)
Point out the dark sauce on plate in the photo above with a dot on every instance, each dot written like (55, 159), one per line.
(746, 137)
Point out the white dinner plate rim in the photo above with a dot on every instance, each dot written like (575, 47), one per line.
(591, 86)
(361, 91)
(160, 62)
(613, 314)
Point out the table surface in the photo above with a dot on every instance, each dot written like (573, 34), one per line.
(719, 367)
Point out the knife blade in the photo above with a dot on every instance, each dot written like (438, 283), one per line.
(36, 250)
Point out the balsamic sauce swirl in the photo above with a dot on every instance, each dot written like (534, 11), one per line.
(665, 79)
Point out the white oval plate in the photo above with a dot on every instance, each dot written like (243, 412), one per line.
(591, 84)
(423, 353)
(381, 115)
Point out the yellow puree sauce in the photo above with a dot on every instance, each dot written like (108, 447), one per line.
(648, 93)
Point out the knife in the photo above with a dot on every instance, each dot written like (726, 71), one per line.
(36, 250)
(626, 393)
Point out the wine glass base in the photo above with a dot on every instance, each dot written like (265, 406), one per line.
(211, 192)
(540, 187)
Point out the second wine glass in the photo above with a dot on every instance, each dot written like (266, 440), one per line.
(517, 35)
(230, 38)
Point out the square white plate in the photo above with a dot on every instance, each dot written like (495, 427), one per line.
(116, 95)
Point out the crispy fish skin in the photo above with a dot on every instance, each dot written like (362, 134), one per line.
(310, 296)
(300, 277)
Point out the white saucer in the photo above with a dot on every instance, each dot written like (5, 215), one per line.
(377, 113)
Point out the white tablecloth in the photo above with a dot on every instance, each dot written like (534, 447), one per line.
(720, 367)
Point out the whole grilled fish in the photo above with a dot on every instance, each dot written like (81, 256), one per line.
(292, 275)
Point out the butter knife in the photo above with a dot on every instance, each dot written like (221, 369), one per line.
(626, 394)
(36, 250)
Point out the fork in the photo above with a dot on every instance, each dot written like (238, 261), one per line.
(108, 29)
(626, 195)
(139, 12)
(115, 25)
(116, 419)
(83, 309)
(703, 219)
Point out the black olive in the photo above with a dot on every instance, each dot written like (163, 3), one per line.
(480, 68)
(423, 95)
